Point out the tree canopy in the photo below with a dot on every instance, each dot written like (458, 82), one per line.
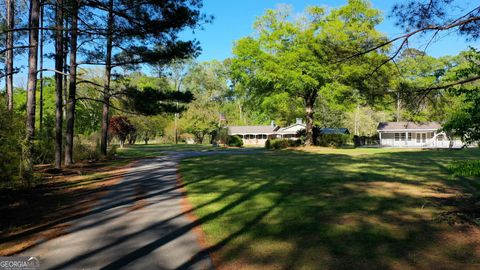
(299, 56)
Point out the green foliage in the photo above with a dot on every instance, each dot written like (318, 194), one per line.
(364, 120)
(208, 81)
(148, 127)
(295, 143)
(299, 56)
(235, 141)
(465, 168)
(88, 112)
(86, 148)
(419, 71)
(465, 121)
(279, 143)
(44, 147)
(112, 152)
(151, 101)
(221, 135)
(282, 143)
(268, 144)
(200, 120)
(333, 140)
(11, 134)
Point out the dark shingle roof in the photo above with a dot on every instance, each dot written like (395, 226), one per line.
(408, 125)
(251, 129)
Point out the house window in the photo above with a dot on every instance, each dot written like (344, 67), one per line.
(402, 136)
(440, 138)
(409, 136)
(264, 136)
(397, 137)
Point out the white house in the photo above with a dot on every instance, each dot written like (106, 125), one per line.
(410, 134)
(291, 131)
(258, 135)
(254, 135)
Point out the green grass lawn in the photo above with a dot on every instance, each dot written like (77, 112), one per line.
(334, 209)
(151, 150)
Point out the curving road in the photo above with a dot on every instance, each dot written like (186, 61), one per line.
(139, 224)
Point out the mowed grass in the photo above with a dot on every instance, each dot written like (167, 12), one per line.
(152, 150)
(333, 209)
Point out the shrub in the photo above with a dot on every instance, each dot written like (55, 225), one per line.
(85, 149)
(295, 143)
(280, 143)
(268, 144)
(112, 152)
(44, 150)
(235, 141)
(465, 168)
(12, 129)
(220, 135)
(333, 140)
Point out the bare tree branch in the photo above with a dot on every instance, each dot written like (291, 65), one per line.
(406, 36)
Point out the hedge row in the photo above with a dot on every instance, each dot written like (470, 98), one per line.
(282, 143)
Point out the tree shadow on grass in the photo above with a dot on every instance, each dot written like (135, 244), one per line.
(336, 218)
(174, 233)
(290, 210)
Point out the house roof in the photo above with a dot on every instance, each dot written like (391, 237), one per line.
(292, 129)
(252, 129)
(385, 126)
(334, 131)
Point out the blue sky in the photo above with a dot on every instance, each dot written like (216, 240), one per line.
(234, 20)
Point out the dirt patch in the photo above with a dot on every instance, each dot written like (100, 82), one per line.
(394, 189)
(465, 210)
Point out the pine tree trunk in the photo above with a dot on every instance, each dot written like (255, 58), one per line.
(9, 53)
(72, 86)
(40, 116)
(310, 99)
(65, 68)
(108, 73)
(27, 166)
(58, 83)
